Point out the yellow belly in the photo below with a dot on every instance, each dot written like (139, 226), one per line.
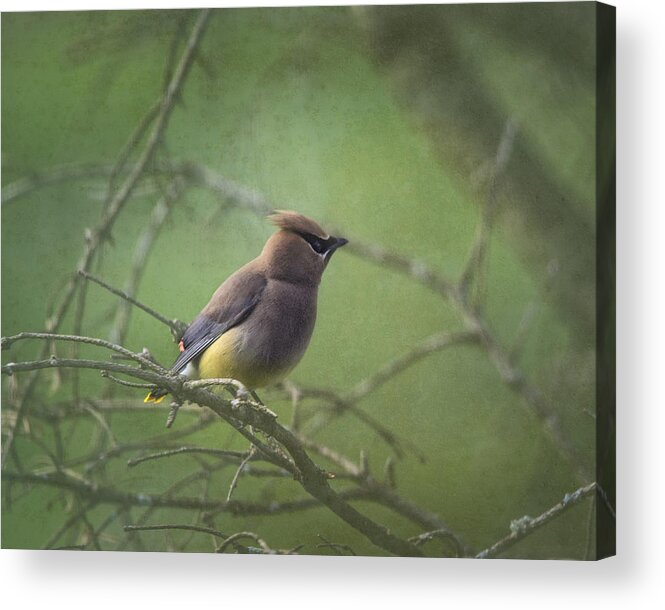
(220, 360)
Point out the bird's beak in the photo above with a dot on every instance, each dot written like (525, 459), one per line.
(337, 242)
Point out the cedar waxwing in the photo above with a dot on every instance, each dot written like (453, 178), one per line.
(258, 323)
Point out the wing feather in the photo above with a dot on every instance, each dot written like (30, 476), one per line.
(231, 304)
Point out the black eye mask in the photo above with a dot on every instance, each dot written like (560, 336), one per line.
(319, 245)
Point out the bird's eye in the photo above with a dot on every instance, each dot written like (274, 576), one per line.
(318, 245)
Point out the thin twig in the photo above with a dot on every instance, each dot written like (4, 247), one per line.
(164, 441)
(387, 372)
(141, 253)
(529, 314)
(521, 528)
(69, 523)
(239, 536)
(54, 175)
(175, 326)
(236, 476)
(168, 526)
(473, 269)
(132, 142)
(441, 534)
(128, 384)
(110, 495)
(335, 546)
(241, 455)
(382, 493)
(50, 337)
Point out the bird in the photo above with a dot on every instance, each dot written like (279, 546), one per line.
(258, 323)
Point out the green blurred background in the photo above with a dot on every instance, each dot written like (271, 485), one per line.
(381, 122)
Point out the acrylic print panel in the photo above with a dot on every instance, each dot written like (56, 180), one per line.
(456, 398)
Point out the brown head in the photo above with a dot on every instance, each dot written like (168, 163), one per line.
(300, 250)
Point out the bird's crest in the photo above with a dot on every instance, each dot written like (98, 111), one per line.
(292, 221)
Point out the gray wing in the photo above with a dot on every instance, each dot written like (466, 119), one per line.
(232, 302)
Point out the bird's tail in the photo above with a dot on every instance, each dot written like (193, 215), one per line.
(155, 396)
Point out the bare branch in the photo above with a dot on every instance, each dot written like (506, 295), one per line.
(128, 384)
(383, 494)
(530, 310)
(225, 453)
(240, 535)
(240, 414)
(478, 253)
(521, 528)
(278, 445)
(236, 476)
(474, 324)
(175, 326)
(53, 175)
(441, 534)
(142, 360)
(160, 441)
(116, 204)
(335, 546)
(109, 495)
(68, 524)
(230, 191)
(348, 400)
(430, 345)
(263, 547)
(191, 528)
(71, 172)
(141, 253)
(425, 275)
(132, 143)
